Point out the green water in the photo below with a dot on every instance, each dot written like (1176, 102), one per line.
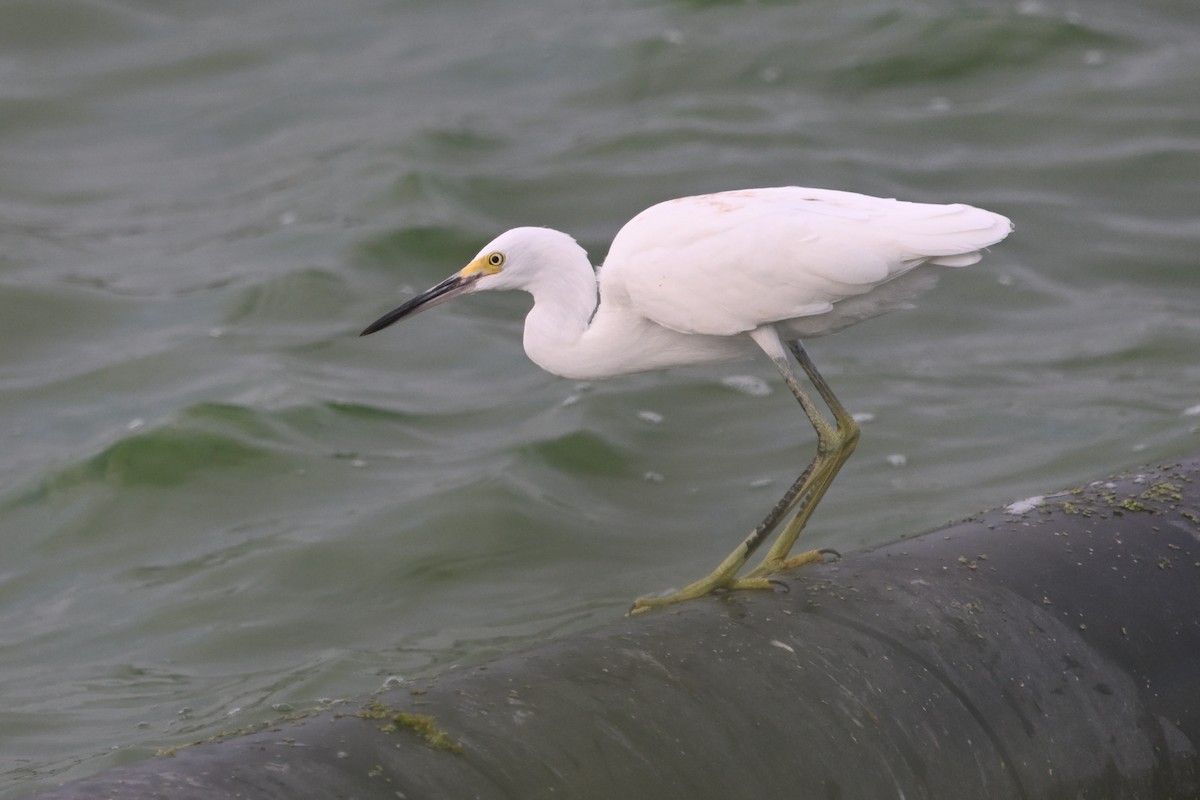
(216, 502)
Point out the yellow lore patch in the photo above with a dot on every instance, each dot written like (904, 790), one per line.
(484, 265)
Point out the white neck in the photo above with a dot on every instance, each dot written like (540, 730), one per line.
(564, 300)
(573, 332)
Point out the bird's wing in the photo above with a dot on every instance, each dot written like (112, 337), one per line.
(726, 263)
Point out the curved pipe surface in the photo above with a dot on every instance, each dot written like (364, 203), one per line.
(1049, 654)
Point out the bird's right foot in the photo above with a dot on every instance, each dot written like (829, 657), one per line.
(721, 580)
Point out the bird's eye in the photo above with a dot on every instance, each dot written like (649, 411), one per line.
(496, 259)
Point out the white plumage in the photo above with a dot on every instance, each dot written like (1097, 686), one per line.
(742, 259)
(699, 279)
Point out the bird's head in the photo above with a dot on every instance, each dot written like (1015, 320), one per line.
(513, 260)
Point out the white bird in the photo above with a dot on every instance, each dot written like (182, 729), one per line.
(702, 280)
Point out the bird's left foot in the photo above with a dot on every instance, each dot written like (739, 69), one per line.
(644, 604)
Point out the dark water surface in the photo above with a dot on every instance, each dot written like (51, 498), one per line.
(217, 503)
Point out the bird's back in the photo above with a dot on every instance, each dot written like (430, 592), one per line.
(726, 263)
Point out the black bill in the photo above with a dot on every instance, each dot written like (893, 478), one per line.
(451, 287)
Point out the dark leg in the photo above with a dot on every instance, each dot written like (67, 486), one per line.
(834, 445)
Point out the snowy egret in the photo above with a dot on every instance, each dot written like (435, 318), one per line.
(704, 279)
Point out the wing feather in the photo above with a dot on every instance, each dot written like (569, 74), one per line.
(726, 263)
